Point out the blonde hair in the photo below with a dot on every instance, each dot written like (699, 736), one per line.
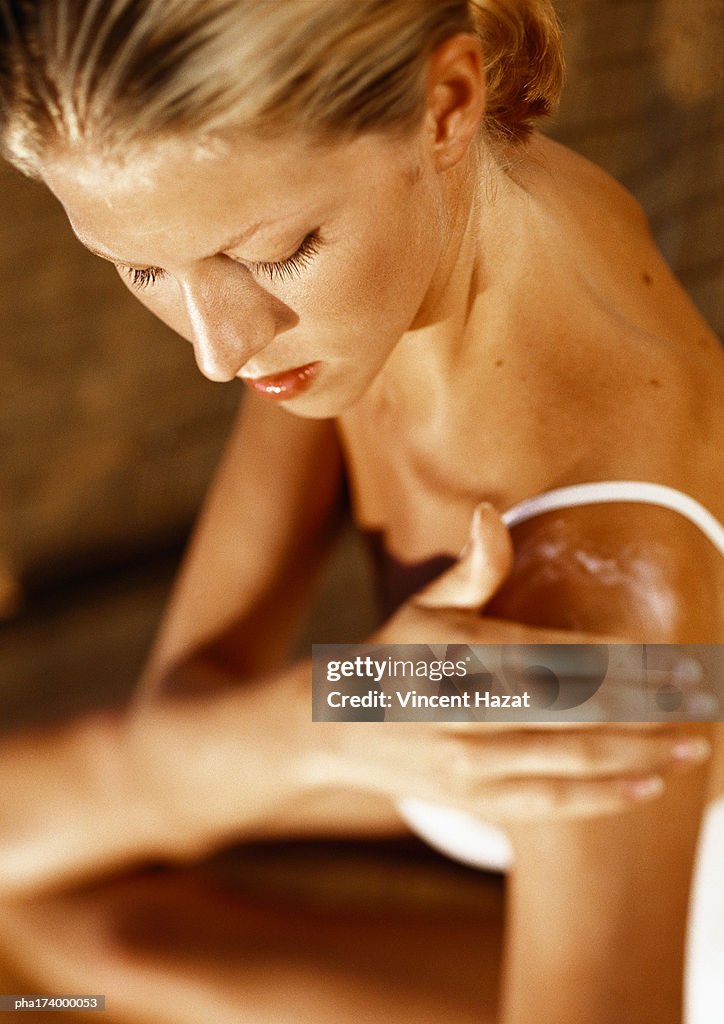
(113, 73)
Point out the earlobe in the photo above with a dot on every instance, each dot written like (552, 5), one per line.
(455, 98)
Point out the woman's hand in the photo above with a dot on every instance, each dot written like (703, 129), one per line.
(501, 771)
(506, 772)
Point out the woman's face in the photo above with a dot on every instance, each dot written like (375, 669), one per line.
(270, 257)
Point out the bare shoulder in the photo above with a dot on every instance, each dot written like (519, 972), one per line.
(616, 256)
(639, 408)
(630, 365)
(717, 776)
(637, 572)
(575, 174)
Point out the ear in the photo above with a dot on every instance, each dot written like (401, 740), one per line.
(455, 98)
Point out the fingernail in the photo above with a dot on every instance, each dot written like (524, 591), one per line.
(474, 535)
(702, 707)
(696, 748)
(645, 789)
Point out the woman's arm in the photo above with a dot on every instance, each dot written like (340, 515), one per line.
(180, 770)
(221, 744)
(598, 907)
(268, 519)
(598, 910)
(599, 891)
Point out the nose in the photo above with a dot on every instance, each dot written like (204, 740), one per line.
(229, 317)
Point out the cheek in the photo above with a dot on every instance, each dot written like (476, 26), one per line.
(381, 256)
(376, 283)
(395, 280)
(403, 258)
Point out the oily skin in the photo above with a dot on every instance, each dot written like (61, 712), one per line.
(475, 322)
(348, 304)
(394, 216)
(457, 303)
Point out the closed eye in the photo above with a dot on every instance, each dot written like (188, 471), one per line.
(281, 270)
(278, 270)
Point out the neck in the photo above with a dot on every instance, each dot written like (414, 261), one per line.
(473, 297)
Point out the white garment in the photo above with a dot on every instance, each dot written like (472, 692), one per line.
(705, 944)
(616, 491)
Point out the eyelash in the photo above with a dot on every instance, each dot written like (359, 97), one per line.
(277, 271)
(294, 264)
(142, 278)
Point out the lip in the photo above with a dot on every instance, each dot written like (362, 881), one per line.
(288, 384)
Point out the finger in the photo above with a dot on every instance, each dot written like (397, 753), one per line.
(482, 728)
(465, 763)
(484, 563)
(662, 698)
(506, 802)
(545, 799)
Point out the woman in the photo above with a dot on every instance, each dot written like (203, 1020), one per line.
(345, 206)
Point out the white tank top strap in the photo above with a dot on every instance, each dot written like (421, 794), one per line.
(608, 491)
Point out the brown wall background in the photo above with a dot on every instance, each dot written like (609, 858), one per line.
(645, 101)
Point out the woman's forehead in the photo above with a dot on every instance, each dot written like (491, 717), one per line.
(204, 197)
(195, 197)
(153, 163)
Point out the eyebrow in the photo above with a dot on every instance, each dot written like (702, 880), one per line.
(106, 254)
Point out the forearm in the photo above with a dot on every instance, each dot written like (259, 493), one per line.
(65, 803)
(258, 544)
(598, 911)
(223, 756)
(171, 780)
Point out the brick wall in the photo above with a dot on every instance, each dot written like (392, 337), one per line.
(645, 100)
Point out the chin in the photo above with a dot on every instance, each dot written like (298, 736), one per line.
(319, 407)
